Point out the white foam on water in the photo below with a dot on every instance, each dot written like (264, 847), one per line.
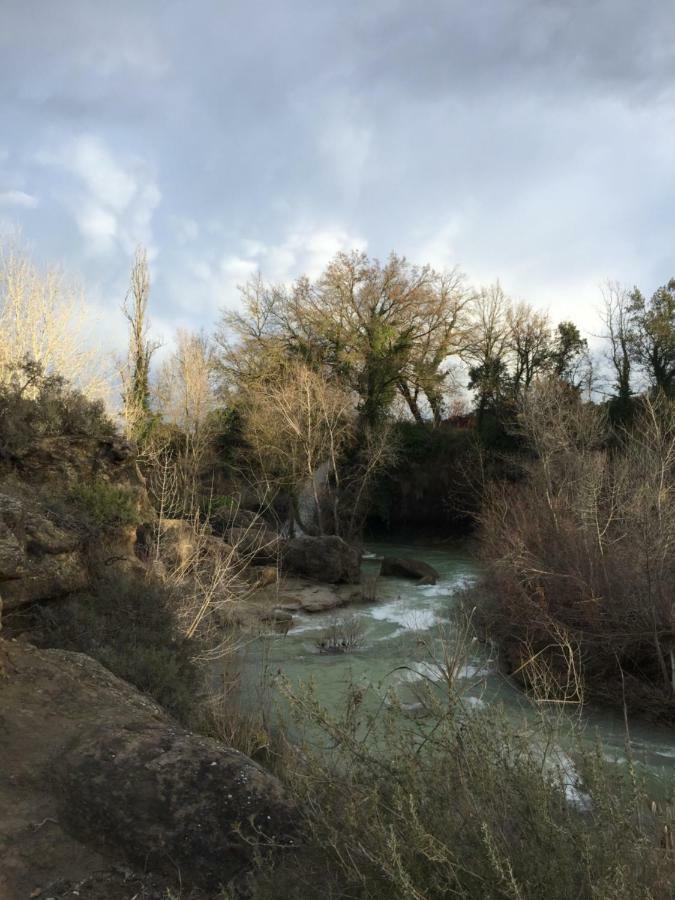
(471, 671)
(398, 611)
(416, 671)
(475, 702)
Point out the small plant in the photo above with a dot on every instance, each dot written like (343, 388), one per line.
(105, 505)
(342, 636)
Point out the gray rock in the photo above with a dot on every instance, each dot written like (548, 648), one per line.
(165, 797)
(422, 572)
(108, 777)
(327, 558)
(38, 559)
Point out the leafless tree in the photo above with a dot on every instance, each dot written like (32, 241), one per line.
(45, 318)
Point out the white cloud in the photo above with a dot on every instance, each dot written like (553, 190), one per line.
(114, 199)
(18, 198)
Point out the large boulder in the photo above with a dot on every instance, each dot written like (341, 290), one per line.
(422, 572)
(160, 794)
(326, 558)
(95, 774)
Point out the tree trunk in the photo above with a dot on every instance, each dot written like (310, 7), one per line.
(411, 400)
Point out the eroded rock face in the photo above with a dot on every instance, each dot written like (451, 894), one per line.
(94, 773)
(422, 572)
(38, 559)
(327, 558)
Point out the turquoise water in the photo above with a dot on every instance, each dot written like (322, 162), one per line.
(401, 634)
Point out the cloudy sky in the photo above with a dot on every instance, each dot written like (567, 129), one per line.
(527, 140)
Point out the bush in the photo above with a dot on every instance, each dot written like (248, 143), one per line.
(580, 554)
(34, 405)
(460, 804)
(105, 505)
(128, 624)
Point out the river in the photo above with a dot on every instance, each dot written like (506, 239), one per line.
(401, 630)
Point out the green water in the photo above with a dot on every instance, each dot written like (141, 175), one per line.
(401, 631)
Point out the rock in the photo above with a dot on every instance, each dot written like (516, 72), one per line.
(257, 544)
(281, 618)
(223, 519)
(266, 575)
(95, 774)
(38, 559)
(160, 794)
(326, 558)
(409, 568)
(182, 549)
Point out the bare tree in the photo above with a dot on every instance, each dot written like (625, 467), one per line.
(487, 347)
(530, 343)
(184, 395)
(297, 429)
(46, 319)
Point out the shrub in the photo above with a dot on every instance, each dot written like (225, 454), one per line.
(460, 804)
(128, 624)
(34, 405)
(105, 505)
(580, 552)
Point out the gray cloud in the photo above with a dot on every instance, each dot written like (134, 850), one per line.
(528, 139)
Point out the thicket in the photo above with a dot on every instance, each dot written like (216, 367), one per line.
(580, 588)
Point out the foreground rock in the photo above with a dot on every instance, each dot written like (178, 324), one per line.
(422, 572)
(327, 558)
(92, 773)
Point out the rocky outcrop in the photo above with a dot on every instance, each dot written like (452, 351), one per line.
(93, 773)
(327, 558)
(257, 544)
(38, 559)
(422, 572)
(177, 548)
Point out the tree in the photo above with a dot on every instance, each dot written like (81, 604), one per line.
(569, 354)
(487, 348)
(653, 343)
(44, 318)
(530, 344)
(379, 328)
(297, 428)
(185, 391)
(136, 369)
(620, 334)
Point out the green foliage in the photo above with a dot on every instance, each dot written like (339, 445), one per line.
(105, 505)
(34, 405)
(653, 344)
(430, 485)
(128, 624)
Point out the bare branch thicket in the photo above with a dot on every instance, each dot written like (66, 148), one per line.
(582, 550)
(296, 426)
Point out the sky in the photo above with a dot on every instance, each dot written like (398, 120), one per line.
(531, 141)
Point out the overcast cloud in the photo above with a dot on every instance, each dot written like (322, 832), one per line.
(529, 140)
